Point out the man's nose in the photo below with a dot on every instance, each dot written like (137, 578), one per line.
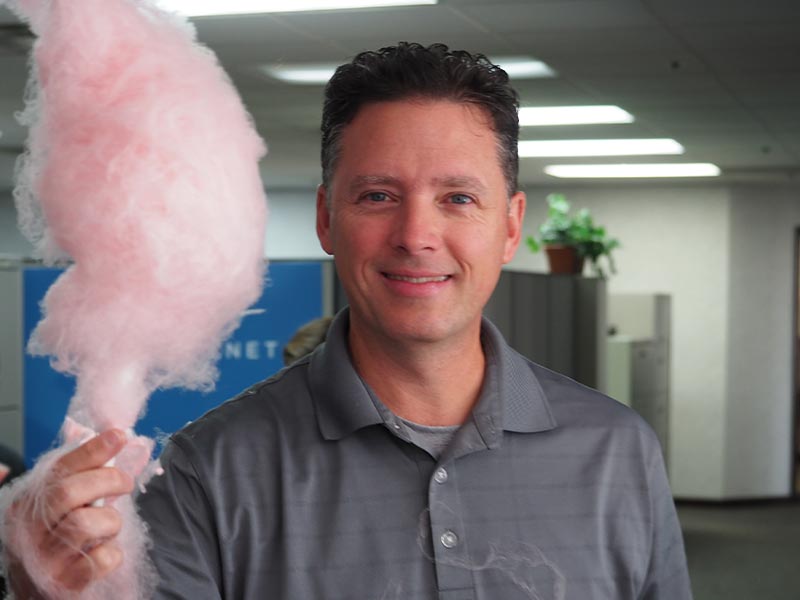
(417, 226)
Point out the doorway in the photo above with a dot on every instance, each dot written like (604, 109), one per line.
(796, 369)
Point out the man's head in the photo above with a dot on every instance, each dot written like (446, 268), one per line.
(409, 71)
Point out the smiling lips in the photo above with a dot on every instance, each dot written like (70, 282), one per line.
(409, 279)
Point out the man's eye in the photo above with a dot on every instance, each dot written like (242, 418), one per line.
(376, 197)
(460, 199)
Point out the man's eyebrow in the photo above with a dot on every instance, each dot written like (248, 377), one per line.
(451, 181)
(461, 181)
(364, 180)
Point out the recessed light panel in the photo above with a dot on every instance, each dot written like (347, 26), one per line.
(540, 148)
(516, 67)
(523, 67)
(635, 170)
(207, 8)
(539, 116)
(308, 74)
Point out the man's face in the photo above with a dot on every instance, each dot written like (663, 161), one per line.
(419, 222)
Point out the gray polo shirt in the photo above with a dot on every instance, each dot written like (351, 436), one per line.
(301, 489)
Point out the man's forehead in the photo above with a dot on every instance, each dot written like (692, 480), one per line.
(433, 142)
(442, 181)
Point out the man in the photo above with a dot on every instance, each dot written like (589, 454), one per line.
(414, 455)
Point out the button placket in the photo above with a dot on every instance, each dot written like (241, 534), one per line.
(449, 539)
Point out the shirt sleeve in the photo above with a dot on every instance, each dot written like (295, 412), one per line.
(179, 514)
(667, 575)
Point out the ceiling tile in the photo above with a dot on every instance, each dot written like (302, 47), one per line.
(704, 12)
(676, 90)
(551, 92)
(673, 64)
(783, 118)
(577, 15)
(767, 37)
(389, 24)
(616, 41)
(6, 16)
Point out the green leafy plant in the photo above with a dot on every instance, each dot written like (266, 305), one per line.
(576, 230)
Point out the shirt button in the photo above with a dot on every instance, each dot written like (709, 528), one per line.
(449, 539)
(396, 426)
(440, 476)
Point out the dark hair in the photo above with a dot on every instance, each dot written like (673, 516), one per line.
(410, 70)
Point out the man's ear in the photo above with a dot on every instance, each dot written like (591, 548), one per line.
(324, 220)
(515, 220)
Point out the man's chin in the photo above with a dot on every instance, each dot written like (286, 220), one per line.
(421, 329)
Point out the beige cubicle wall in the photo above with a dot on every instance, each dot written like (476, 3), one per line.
(11, 358)
(558, 321)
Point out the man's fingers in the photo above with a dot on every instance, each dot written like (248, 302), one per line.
(82, 489)
(82, 530)
(75, 539)
(91, 566)
(92, 454)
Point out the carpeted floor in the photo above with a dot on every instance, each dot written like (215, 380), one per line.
(743, 552)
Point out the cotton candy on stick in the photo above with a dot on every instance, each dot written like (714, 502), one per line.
(142, 167)
(148, 179)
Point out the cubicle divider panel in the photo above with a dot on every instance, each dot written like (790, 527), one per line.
(10, 359)
(558, 321)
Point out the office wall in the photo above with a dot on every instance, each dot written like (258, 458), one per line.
(12, 242)
(675, 240)
(759, 371)
(291, 231)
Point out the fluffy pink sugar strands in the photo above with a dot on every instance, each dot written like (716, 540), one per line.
(146, 168)
(142, 166)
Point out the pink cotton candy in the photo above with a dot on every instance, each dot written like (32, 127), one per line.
(145, 165)
(142, 167)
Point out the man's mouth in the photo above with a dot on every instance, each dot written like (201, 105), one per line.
(408, 279)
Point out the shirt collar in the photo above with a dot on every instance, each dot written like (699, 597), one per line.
(511, 394)
(511, 399)
(340, 396)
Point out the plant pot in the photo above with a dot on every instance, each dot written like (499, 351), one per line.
(564, 260)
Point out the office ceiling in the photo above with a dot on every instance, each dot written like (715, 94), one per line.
(720, 76)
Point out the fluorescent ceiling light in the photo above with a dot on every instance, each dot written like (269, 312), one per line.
(313, 74)
(599, 147)
(318, 73)
(635, 170)
(206, 8)
(523, 67)
(572, 115)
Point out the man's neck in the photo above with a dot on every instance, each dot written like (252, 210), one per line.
(426, 383)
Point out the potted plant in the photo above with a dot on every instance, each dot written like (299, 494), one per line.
(571, 239)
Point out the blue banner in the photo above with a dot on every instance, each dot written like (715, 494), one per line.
(293, 296)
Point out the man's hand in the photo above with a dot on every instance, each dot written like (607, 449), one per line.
(72, 536)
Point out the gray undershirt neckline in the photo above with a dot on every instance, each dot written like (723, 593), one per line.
(433, 439)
